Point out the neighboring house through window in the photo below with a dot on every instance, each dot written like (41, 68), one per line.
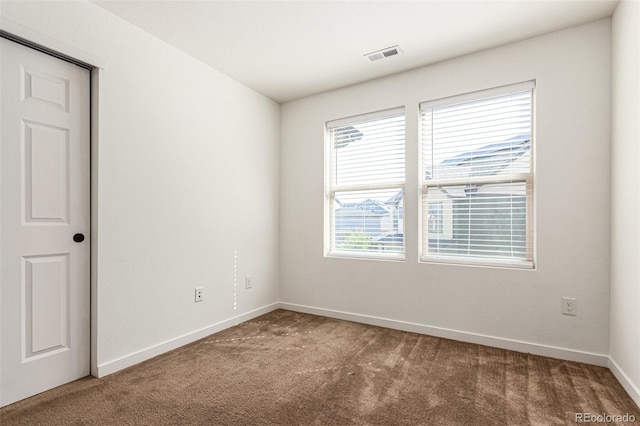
(366, 175)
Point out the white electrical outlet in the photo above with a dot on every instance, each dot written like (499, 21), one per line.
(199, 294)
(569, 306)
(248, 281)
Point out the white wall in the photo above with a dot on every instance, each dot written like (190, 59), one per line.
(625, 197)
(187, 174)
(572, 191)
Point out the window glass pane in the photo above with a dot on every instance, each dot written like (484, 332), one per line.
(480, 138)
(368, 152)
(369, 221)
(487, 220)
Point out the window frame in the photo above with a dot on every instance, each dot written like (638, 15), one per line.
(331, 188)
(528, 178)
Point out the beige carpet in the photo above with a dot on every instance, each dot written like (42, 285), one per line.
(286, 368)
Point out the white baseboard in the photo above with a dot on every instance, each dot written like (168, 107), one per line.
(150, 352)
(480, 339)
(624, 380)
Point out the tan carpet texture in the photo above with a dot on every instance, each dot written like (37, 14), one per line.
(287, 368)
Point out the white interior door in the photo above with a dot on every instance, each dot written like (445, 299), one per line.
(44, 201)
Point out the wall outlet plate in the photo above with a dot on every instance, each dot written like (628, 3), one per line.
(248, 281)
(569, 306)
(199, 294)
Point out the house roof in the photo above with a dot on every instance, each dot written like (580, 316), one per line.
(487, 160)
(396, 199)
(345, 135)
(372, 207)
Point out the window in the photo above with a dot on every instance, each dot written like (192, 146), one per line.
(477, 179)
(365, 187)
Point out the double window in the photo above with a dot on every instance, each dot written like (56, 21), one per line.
(476, 180)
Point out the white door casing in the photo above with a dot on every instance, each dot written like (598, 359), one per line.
(44, 202)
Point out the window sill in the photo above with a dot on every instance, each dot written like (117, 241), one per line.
(479, 262)
(366, 256)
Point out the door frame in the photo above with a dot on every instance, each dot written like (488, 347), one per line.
(57, 48)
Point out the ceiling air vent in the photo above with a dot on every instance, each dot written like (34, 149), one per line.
(383, 53)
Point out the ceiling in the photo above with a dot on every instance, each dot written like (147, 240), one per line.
(291, 49)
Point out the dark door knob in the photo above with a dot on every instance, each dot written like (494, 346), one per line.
(78, 238)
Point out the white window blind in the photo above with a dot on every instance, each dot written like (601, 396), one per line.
(366, 174)
(477, 180)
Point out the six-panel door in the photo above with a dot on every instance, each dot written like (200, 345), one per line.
(44, 182)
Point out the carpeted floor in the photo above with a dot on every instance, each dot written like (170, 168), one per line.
(287, 368)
